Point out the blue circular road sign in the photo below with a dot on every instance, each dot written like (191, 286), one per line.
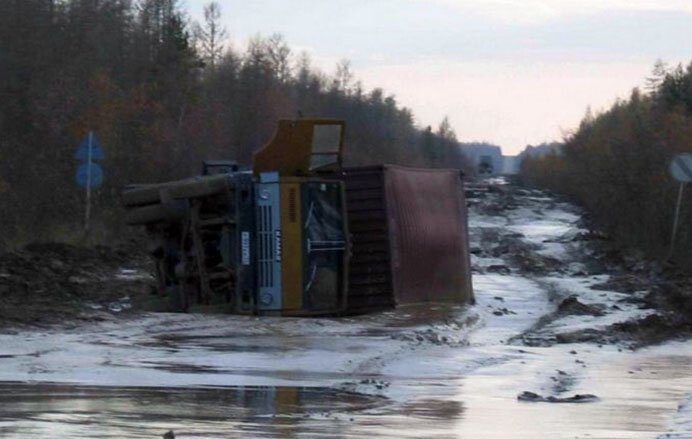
(82, 175)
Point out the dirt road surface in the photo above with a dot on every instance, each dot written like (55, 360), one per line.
(545, 322)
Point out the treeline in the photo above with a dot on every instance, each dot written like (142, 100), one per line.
(162, 94)
(616, 164)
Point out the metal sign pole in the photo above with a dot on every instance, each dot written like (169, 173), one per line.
(676, 220)
(89, 174)
(87, 213)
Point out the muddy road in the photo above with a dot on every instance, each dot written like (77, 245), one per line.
(552, 318)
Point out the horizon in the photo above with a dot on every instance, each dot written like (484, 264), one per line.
(510, 73)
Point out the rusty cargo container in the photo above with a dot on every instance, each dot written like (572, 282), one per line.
(409, 237)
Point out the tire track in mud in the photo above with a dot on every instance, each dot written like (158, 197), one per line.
(530, 234)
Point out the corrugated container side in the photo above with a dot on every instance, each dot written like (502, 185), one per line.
(409, 237)
(370, 271)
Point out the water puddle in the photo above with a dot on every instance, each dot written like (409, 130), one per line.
(61, 411)
(417, 371)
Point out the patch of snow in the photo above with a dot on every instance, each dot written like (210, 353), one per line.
(129, 274)
(537, 232)
(485, 262)
(681, 425)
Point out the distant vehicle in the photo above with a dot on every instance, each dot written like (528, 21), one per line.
(485, 165)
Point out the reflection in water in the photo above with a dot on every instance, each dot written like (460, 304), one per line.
(639, 395)
(433, 409)
(58, 410)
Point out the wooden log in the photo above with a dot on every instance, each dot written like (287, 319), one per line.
(154, 213)
(143, 195)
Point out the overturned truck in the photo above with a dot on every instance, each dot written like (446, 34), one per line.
(301, 235)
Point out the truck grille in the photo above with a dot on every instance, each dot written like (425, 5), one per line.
(265, 244)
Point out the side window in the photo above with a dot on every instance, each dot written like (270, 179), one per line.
(326, 140)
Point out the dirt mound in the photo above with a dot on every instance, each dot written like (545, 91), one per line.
(624, 283)
(46, 283)
(572, 306)
(579, 398)
(535, 263)
(635, 333)
(673, 295)
(655, 328)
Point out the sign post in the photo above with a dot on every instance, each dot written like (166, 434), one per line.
(87, 213)
(681, 169)
(89, 174)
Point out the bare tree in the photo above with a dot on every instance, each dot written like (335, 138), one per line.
(445, 130)
(658, 75)
(344, 76)
(279, 55)
(210, 36)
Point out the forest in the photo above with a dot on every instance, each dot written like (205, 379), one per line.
(161, 93)
(616, 164)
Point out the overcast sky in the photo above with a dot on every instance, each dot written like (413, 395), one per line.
(511, 72)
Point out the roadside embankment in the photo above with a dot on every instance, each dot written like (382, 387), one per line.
(53, 283)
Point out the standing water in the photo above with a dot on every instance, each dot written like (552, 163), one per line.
(418, 371)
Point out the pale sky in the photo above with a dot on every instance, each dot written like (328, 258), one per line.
(510, 72)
